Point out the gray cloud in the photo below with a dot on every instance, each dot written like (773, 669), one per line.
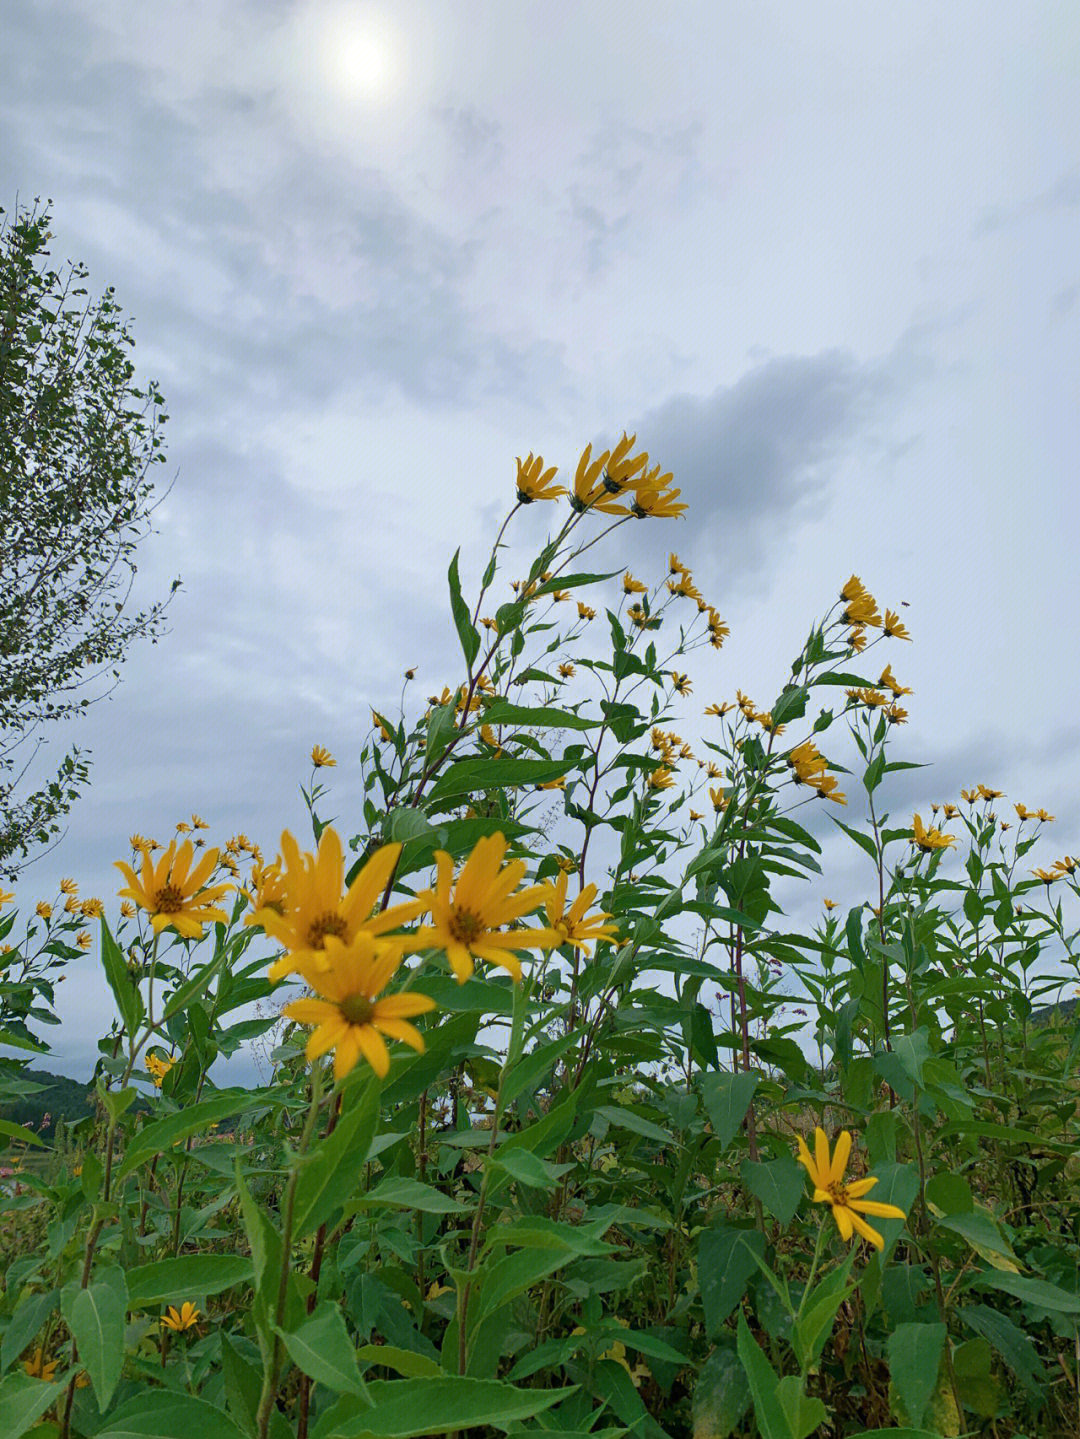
(1063, 194)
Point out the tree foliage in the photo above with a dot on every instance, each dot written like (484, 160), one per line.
(77, 440)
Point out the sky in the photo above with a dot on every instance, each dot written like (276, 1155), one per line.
(821, 260)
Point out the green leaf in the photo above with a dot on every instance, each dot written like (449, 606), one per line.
(526, 1168)
(502, 712)
(170, 1281)
(779, 1184)
(196, 985)
(19, 1134)
(781, 1409)
(914, 1352)
(727, 1258)
(409, 1408)
(721, 1395)
(471, 775)
(1010, 1341)
(162, 1134)
(23, 1400)
(467, 634)
(95, 1316)
(727, 1098)
(534, 1066)
(166, 1414)
(1036, 1292)
(124, 988)
(30, 1314)
(402, 1361)
(984, 1236)
(410, 1194)
(243, 1384)
(321, 1347)
(330, 1175)
(865, 843)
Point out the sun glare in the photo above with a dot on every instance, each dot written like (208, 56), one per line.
(360, 54)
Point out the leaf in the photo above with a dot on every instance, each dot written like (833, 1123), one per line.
(191, 1274)
(914, 1352)
(979, 1230)
(125, 989)
(166, 1414)
(19, 1134)
(1010, 1341)
(781, 1409)
(243, 1384)
(467, 634)
(502, 712)
(471, 775)
(526, 1168)
(23, 1400)
(534, 1066)
(721, 1395)
(409, 1408)
(162, 1134)
(331, 1175)
(321, 1347)
(727, 1257)
(95, 1316)
(30, 1314)
(402, 1361)
(410, 1194)
(198, 983)
(779, 1184)
(727, 1098)
(1036, 1292)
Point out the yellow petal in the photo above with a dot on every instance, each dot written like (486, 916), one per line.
(840, 1156)
(843, 1221)
(870, 1235)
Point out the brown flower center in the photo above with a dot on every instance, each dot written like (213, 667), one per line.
(356, 1009)
(169, 899)
(464, 926)
(837, 1193)
(324, 924)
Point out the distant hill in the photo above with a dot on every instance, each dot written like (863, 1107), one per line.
(67, 1099)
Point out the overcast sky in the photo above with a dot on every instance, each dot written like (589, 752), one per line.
(822, 259)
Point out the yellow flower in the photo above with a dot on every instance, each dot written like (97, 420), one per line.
(469, 916)
(71, 905)
(38, 1367)
(43, 910)
(675, 565)
(158, 1068)
(83, 939)
(68, 886)
(653, 500)
(888, 680)
(825, 786)
(566, 863)
(848, 1204)
(716, 709)
(661, 778)
(567, 670)
(970, 795)
(621, 469)
(269, 893)
(1041, 814)
(321, 757)
(853, 590)
(584, 612)
(92, 908)
(183, 827)
(173, 897)
(588, 494)
(573, 924)
(187, 1318)
(895, 715)
(315, 906)
(680, 683)
(930, 839)
(197, 823)
(351, 1019)
(829, 903)
(893, 627)
(559, 783)
(862, 611)
(694, 815)
(857, 639)
(1065, 866)
(1046, 875)
(632, 586)
(1023, 811)
(718, 630)
(986, 793)
(534, 485)
(719, 800)
(637, 616)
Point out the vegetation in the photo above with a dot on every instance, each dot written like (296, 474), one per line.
(544, 1148)
(77, 440)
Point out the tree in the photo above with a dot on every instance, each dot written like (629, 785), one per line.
(77, 440)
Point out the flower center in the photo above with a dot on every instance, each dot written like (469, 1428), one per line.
(838, 1193)
(324, 924)
(356, 1009)
(465, 926)
(170, 899)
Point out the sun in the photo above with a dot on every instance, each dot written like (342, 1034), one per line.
(361, 55)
